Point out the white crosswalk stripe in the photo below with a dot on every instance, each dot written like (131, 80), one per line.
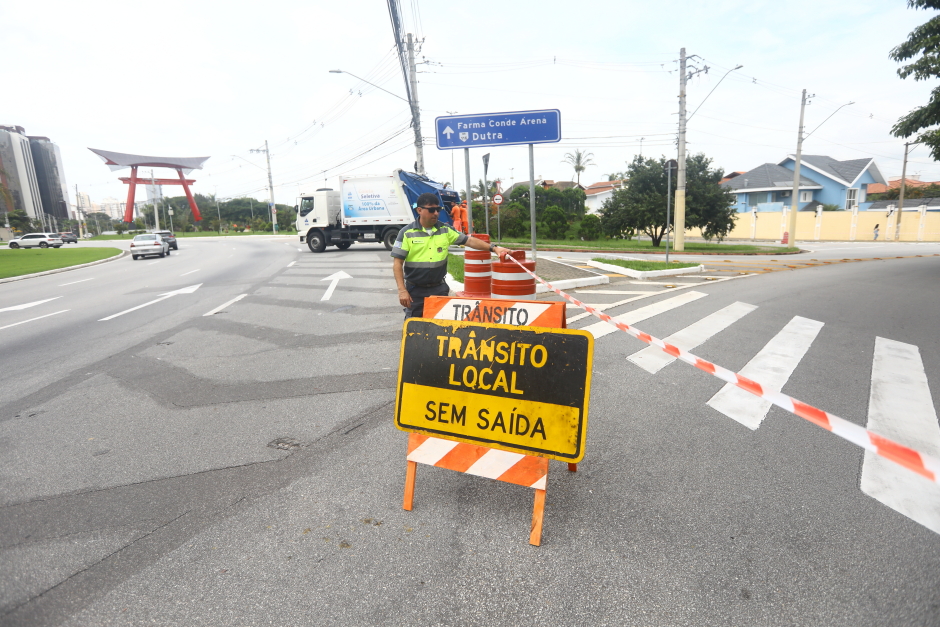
(771, 367)
(600, 329)
(653, 359)
(900, 408)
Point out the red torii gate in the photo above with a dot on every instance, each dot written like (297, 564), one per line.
(119, 160)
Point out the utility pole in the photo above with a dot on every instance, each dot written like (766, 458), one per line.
(680, 177)
(415, 110)
(897, 228)
(217, 210)
(271, 206)
(156, 210)
(795, 202)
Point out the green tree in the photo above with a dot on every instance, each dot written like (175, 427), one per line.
(120, 227)
(512, 217)
(579, 160)
(616, 176)
(641, 207)
(19, 221)
(555, 222)
(590, 228)
(923, 43)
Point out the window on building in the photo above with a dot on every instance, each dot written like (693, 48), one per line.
(851, 198)
(806, 196)
(756, 198)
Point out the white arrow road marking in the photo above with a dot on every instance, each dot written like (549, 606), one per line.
(184, 290)
(291, 263)
(74, 282)
(191, 271)
(335, 277)
(448, 131)
(223, 306)
(772, 366)
(27, 305)
(31, 319)
(653, 359)
(900, 407)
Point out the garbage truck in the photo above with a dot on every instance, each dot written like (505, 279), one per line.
(366, 209)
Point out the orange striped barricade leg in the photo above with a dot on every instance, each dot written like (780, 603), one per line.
(481, 461)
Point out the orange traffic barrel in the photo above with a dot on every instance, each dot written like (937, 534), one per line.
(477, 269)
(512, 282)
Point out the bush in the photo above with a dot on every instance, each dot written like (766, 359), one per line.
(555, 221)
(590, 228)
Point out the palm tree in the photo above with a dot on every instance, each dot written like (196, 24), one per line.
(579, 160)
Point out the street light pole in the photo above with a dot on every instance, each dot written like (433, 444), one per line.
(273, 209)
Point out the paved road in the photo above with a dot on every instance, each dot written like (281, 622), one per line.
(167, 467)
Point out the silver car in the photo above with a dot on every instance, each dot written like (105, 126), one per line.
(37, 240)
(149, 244)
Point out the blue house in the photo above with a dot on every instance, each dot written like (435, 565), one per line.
(823, 180)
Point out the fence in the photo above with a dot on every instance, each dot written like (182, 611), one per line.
(917, 225)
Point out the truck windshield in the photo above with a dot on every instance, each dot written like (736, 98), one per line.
(306, 206)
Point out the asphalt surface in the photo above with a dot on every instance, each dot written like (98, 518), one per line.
(168, 467)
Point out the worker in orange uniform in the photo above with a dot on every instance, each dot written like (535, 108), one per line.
(461, 211)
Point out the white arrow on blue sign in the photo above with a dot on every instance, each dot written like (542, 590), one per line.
(498, 129)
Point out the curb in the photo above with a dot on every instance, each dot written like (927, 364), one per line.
(640, 274)
(563, 249)
(455, 286)
(124, 253)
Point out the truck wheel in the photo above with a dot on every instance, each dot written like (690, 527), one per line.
(344, 245)
(390, 237)
(316, 242)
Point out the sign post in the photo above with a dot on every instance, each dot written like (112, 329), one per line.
(498, 200)
(500, 129)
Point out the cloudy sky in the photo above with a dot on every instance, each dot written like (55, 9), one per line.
(212, 78)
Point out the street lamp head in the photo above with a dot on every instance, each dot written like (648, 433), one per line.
(336, 71)
(738, 67)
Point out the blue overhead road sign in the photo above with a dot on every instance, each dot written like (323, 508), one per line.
(498, 129)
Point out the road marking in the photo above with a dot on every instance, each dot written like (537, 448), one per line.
(772, 366)
(291, 263)
(27, 305)
(653, 359)
(74, 282)
(223, 306)
(31, 319)
(300, 250)
(619, 292)
(152, 262)
(600, 329)
(335, 277)
(579, 316)
(185, 290)
(900, 407)
(191, 271)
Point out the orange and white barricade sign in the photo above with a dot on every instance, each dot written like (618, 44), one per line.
(493, 400)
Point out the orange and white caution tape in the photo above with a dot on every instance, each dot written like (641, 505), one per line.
(922, 464)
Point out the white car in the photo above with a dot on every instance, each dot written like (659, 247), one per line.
(149, 244)
(37, 240)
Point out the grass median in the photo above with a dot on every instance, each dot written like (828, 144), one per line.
(31, 260)
(181, 234)
(645, 266)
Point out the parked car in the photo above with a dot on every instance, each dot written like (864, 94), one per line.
(149, 244)
(37, 240)
(68, 238)
(170, 238)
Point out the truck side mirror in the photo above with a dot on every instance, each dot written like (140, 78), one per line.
(295, 208)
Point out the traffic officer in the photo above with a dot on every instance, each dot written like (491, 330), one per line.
(420, 256)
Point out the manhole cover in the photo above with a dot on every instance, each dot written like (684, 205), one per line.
(285, 444)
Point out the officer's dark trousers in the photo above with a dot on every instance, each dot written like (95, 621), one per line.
(418, 295)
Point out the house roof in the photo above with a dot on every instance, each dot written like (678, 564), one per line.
(843, 171)
(731, 175)
(909, 204)
(878, 188)
(603, 186)
(767, 176)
